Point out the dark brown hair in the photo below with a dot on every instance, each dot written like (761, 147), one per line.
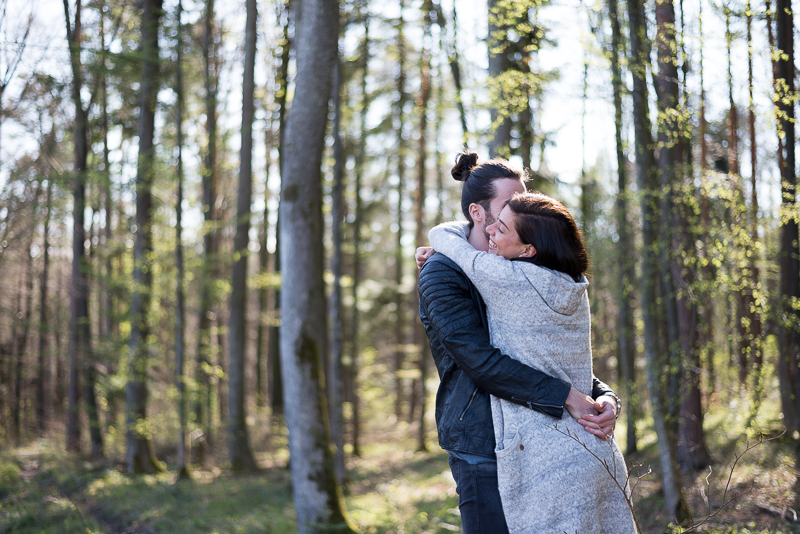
(545, 223)
(479, 179)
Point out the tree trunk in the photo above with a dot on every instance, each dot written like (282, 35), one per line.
(438, 159)
(239, 453)
(499, 63)
(21, 339)
(358, 220)
(752, 308)
(60, 373)
(43, 383)
(282, 89)
(263, 267)
(180, 311)
(399, 296)
(140, 457)
(742, 320)
(334, 376)
(420, 339)
(451, 49)
(706, 337)
(692, 453)
(79, 306)
(647, 178)
(202, 401)
(789, 339)
(317, 496)
(626, 348)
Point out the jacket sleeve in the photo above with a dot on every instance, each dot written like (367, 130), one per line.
(446, 301)
(600, 388)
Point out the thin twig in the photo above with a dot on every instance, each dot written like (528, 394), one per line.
(628, 499)
(761, 440)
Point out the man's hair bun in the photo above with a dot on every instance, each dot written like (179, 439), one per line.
(465, 162)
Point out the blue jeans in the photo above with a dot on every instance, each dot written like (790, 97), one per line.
(478, 497)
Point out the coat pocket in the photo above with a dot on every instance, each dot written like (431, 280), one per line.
(508, 446)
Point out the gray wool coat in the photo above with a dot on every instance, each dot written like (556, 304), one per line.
(549, 482)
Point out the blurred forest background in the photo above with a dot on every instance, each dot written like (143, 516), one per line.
(208, 215)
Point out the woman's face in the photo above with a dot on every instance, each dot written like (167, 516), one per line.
(503, 238)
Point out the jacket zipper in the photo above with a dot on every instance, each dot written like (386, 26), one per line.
(472, 398)
(530, 405)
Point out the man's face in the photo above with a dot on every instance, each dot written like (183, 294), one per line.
(505, 190)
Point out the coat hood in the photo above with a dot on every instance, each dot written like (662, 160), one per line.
(558, 290)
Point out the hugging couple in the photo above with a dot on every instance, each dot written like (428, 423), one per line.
(527, 425)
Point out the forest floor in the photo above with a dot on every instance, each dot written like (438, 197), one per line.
(391, 489)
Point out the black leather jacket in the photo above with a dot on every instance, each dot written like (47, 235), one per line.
(470, 368)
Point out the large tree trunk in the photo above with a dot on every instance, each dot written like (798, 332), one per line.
(692, 453)
(239, 453)
(140, 457)
(317, 496)
(180, 311)
(203, 394)
(626, 348)
(789, 340)
(79, 306)
(648, 187)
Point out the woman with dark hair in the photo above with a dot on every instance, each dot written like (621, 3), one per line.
(532, 280)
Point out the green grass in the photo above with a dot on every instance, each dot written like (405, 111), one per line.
(390, 489)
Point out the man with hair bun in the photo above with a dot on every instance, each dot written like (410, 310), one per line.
(471, 369)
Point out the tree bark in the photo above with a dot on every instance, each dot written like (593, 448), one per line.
(706, 338)
(399, 297)
(317, 496)
(744, 340)
(499, 63)
(752, 307)
(180, 311)
(263, 266)
(239, 452)
(140, 457)
(24, 313)
(420, 339)
(202, 401)
(451, 49)
(79, 306)
(337, 322)
(358, 220)
(789, 340)
(647, 178)
(281, 99)
(43, 391)
(626, 349)
(692, 452)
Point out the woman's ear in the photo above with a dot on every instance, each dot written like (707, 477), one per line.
(476, 212)
(528, 252)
